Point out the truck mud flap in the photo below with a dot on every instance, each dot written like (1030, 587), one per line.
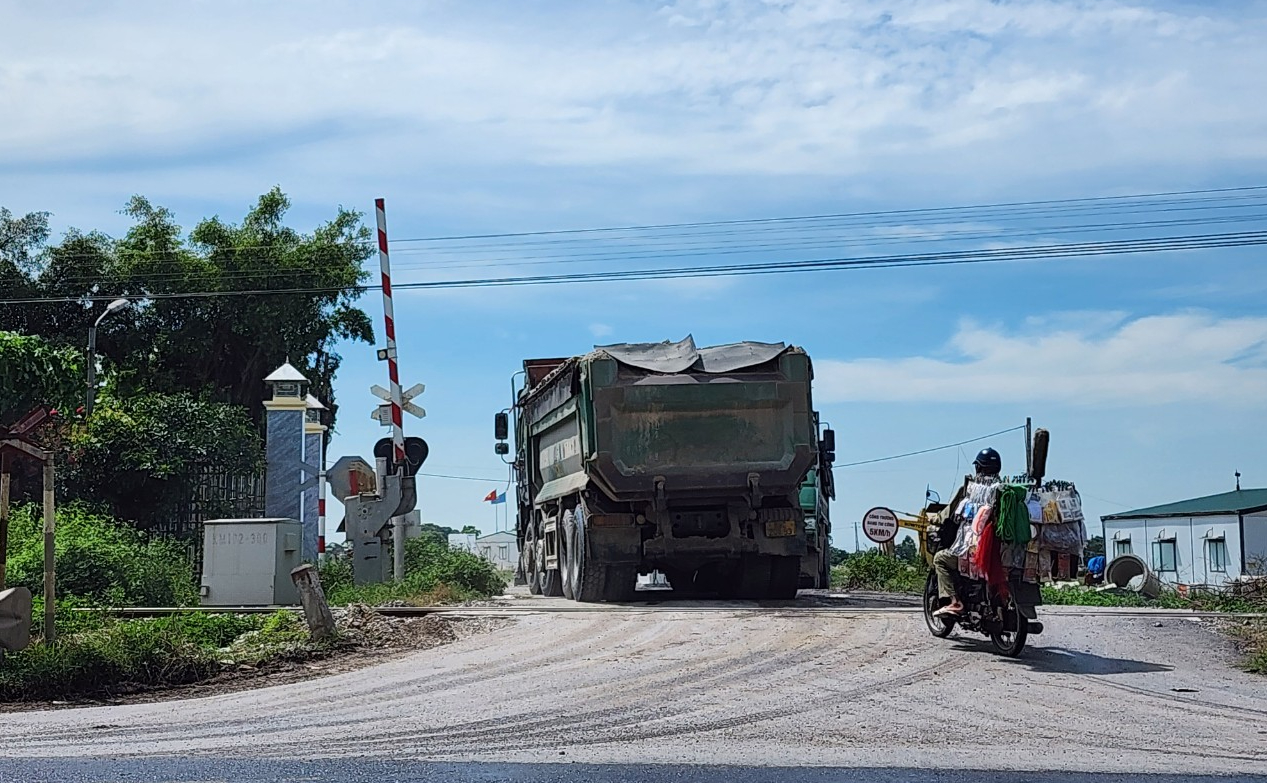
(614, 545)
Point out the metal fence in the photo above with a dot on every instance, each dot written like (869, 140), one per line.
(213, 494)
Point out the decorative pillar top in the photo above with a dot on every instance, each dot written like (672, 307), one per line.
(289, 389)
(312, 417)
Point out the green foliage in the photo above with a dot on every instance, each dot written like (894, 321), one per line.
(134, 456)
(438, 564)
(35, 372)
(1169, 599)
(99, 560)
(839, 556)
(223, 346)
(434, 573)
(907, 551)
(874, 570)
(1095, 546)
(438, 533)
(104, 655)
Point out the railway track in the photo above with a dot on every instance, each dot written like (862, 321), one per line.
(678, 607)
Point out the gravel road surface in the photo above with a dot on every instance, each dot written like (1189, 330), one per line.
(732, 691)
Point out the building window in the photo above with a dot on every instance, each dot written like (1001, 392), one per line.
(486, 552)
(503, 551)
(1164, 555)
(1216, 554)
(1122, 547)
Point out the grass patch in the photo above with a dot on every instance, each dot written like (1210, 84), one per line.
(1252, 636)
(873, 570)
(434, 574)
(99, 559)
(108, 656)
(1169, 599)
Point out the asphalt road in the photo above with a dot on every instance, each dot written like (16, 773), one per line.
(732, 694)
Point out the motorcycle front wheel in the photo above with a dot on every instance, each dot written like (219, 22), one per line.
(937, 626)
(1011, 643)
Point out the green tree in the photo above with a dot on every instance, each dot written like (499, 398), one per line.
(1095, 546)
(907, 550)
(135, 456)
(22, 242)
(471, 530)
(34, 372)
(190, 329)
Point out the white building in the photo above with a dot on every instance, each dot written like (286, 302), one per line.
(501, 549)
(1205, 541)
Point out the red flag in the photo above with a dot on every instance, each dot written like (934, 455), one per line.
(491, 497)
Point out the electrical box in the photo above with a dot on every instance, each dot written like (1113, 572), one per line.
(247, 562)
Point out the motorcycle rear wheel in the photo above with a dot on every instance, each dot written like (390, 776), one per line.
(1011, 643)
(937, 626)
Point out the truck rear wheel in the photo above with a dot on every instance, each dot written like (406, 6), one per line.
(529, 560)
(593, 581)
(569, 563)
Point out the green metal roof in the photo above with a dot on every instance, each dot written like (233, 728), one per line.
(1242, 501)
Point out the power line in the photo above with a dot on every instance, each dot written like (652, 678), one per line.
(681, 251)
(1028, 253)
(463, 478)
(1216, 199)
(924, 210)
(929, 451)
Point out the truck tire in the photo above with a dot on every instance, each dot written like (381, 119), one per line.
(529, 559)
(785, 577)
(592, 581)
(569, 564)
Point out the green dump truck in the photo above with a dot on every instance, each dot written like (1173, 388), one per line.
(660, 456)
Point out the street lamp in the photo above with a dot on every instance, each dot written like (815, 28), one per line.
(113, 307)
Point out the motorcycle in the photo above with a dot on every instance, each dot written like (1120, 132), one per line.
(1008, 623)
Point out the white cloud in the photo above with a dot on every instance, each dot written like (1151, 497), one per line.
(802, 87)
(1080, 359)
(600, 330)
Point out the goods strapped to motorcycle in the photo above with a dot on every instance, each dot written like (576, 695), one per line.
(1011, 535)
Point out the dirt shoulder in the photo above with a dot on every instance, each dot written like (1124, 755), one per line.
(367, 639)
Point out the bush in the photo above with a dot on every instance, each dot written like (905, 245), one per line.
(99, 559)
(121, 655)
(874, 570)
(434, 573)
(437, 563)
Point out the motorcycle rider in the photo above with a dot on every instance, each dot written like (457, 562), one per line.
(987, 464)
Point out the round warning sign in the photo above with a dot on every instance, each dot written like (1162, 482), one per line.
(880, 525)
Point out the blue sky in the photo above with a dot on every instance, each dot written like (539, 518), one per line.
(1150, 371)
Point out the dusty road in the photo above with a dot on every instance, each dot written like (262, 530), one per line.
(679, 684)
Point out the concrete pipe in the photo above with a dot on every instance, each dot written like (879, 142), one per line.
(1129, 571)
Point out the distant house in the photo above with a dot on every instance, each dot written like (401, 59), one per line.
(501, 549)
(1204, 541)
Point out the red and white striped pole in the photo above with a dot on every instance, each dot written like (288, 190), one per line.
(393, 372)
(321, 512)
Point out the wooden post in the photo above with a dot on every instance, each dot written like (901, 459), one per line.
(50, 577)
(4, 513)
(316, 610)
